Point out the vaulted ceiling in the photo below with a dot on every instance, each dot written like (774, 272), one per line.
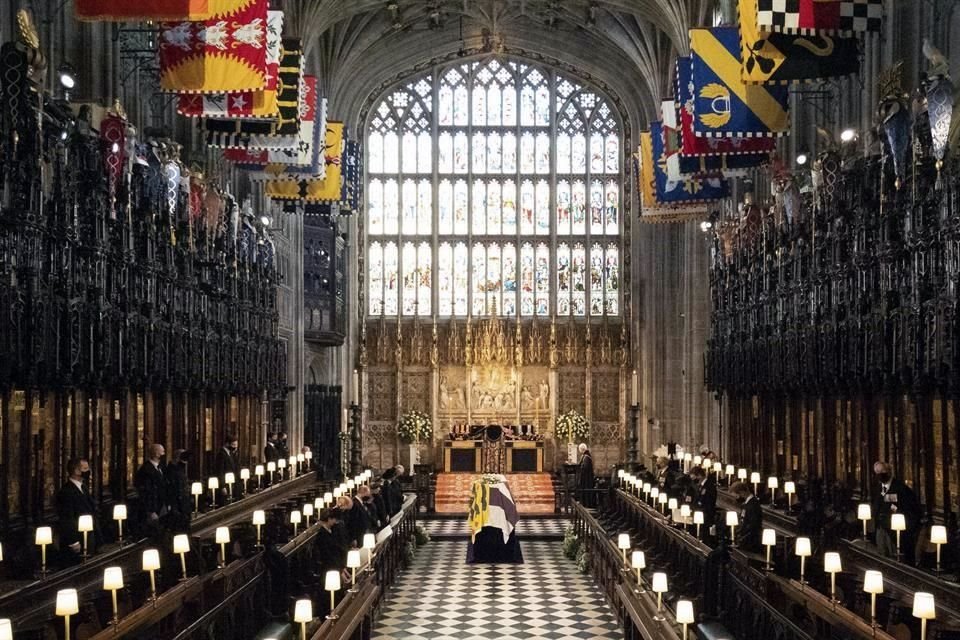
(356, 46)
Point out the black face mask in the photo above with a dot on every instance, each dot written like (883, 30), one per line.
(86, 476)
(741, 500)
(884, 477)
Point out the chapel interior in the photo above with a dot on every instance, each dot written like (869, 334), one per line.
(479, 319)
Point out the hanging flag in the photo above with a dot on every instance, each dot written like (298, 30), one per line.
(689, 188)
(274, 164)
(243, 104)
(141, 10)
(693, 146)
(811, 17)
(282, 132)
(723, 105)
(678, 165)
(645, 179)
(352, 176)
(326, 189)
(224, 53)
(781, 58)
(652, 210)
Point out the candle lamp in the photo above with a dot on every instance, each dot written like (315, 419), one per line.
(351, 485)
(112, 582)
(638, 560)
(259, 519)
(873, 584)
(181, 545)
(295, 519)
(789, 488)
(623, 543)
(150, 564)
(353, 563)
(707, 464)
(654, 494)
(42, 538)
(328, 498)
(120, 514)
(213, 483)
(672, 504)
(318, 505)
(659, 587)
(733, 521)
(925, 609)
(773, 483)
(769, 541)
(229, 480)
(196, 490)
(698, 520)
(864, 515)
(300, 460)
(337, 492)
(755, 481)
(222, 537)
(684, 616)
(898, 524)
(697, 460)
(332, 584)
(717, 470)
(685, 512)
(6, 629)
(646, 490)
(730, 472)
(244, 477)
(369, 543)
(833, 566)
(281, 465)
(68, 604)
(663, 499)
(307, 512)
(271, 468)
(303, 614)
(258, 471)
(741, 474)
(308, 456)
(85, 526)
(292, 465)
(620, 477)
(803, 551)
(938, 536)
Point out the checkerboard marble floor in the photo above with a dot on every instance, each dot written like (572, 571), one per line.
(440, 597)
(537, 528)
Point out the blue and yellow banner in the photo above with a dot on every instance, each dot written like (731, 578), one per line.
(723, 104)
(690, 188)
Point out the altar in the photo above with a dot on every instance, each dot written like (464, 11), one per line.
(494, 449)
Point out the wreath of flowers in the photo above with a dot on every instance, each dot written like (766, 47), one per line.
(572, 426)
(415, 426)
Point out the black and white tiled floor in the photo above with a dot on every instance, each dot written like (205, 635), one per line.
(440, 597)
(538, 528)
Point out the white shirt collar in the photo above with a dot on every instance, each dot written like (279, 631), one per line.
(77, 483)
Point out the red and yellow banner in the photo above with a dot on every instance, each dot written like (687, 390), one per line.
(326, 189)
(137, 10)
(225, 53)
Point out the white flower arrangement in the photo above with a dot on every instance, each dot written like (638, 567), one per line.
(572, 426)
(415, 426)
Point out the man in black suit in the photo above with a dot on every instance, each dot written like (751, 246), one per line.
(356, 518)
(270, 451)
(665, 475)
(74, 500)
(585, 480)
(389, 479)
(705, 488)
(226, 462)
(283, 446)
(750, 531)
(892, 495)
(151, 490)
(178, 488)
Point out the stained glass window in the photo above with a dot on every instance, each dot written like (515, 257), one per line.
(472, 169)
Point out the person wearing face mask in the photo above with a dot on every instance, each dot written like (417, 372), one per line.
(178, 487)
(227, 462)
(892, 495)
(74, 500)
(151, 489)
(750, 531)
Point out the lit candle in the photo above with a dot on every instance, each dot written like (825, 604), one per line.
(67, 605)
(303, 614)
(789, 488)
(292, 465)
(229, 479)
(213, 483)
(197, 490)
(355, 393)
(271, 467)
(698, 520)
(638, 560)
(6, 629)
(733, 520)
(113, 581)
(938, 536)
(85, 526)
(635, 390)
(43, 537)
(244, 476)
(684, 615)
(120, 514)
(755, 481)
(833, 566)
(307, 512)
(803, 551)
(898, 523)
(659, 587)
(259, 519)
(873, 584)
(353, 563)
(151, 563)
(258, 471)
(623, 543)
(222, 538)
(769, 541)
(181, 544)
(295, 518)
(731, 470)
(864, 514)
(925, 609)
(332, 584)
(369, 543)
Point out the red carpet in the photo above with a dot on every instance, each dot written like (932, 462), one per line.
(532, 492)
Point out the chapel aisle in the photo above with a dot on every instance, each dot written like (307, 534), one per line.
(440, 597)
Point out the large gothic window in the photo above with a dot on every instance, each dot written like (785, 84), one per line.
(494, 188)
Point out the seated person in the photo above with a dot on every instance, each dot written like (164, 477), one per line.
(750, 531)
(330, 552)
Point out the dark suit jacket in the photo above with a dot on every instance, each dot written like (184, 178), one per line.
(899, 499)
(226, 461)
(270, 453)
(750, 531)
(151, 488)
(178, 488)
(71, 504)
(330, 552)
(395, 496)
(358, 522)
(665, 479)
(585, 478)
(706, 500)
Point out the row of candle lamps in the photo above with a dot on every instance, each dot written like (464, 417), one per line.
(67, 599)
(923, 603)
